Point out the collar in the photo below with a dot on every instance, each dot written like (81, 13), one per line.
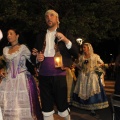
(48, 31)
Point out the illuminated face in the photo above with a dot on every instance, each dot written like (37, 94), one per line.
(85, 48)
(51, 20)
(12, 36)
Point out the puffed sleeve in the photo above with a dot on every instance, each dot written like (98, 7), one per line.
(26, 52)
(99, 60)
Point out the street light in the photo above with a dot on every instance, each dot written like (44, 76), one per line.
(79, 41)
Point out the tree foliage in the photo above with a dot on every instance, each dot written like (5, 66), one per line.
(96, 20)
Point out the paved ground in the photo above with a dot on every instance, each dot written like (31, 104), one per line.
(79, 114)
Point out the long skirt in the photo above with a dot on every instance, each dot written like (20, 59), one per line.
(19, 98)
(94, 102)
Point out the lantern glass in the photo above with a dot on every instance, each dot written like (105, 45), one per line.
(58, 60)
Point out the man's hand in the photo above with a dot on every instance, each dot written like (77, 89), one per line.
(61, 37)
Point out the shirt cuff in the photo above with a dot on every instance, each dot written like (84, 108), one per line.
(69, 45)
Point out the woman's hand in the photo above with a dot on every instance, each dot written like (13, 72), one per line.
(40, 57)
(34, 51)
(75, 65)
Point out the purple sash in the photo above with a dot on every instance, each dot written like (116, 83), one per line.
(48, 68)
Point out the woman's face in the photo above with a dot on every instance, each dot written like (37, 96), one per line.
(12, 36)
(85, 49)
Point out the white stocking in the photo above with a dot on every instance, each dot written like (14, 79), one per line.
(67, 117)
(49, 117)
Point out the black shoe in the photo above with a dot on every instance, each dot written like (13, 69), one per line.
(93, 113)
(70, 104)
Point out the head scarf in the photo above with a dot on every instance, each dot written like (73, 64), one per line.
(90, 48)
(55, 13)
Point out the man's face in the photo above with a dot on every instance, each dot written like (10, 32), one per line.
(51, 20)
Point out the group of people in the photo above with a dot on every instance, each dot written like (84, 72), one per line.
(18, 90)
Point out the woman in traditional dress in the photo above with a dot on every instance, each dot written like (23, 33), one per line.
(18, 92)
(89, 93)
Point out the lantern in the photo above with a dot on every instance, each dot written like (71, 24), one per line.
(58, 60)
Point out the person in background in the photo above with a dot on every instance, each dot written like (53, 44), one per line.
(71, 79)
(117, 86)
(117, 75)
(52, 80)
(18, 92)
(89, 93)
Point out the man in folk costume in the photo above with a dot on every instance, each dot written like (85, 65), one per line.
(52, 80)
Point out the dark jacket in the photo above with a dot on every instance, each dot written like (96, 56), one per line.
(67, 55)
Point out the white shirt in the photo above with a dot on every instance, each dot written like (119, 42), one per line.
(50, 43)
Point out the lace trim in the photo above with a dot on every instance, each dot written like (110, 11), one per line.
(91, 106)
(11, 56)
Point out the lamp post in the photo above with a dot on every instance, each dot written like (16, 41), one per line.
(80, 42)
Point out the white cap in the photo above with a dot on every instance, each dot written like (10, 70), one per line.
(55, 13)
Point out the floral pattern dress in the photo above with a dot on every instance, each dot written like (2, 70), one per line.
(18, 92)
